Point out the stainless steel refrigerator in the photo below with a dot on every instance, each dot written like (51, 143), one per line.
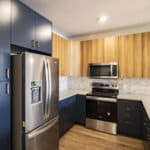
(35, 102)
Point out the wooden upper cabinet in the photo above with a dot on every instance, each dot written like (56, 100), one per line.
(74, 58)
(138, 56)
(125, 46)
(146, 55)
(100, 50)
(84, 54)
(111, 49)
(92, 51)
(69, 54)
(59, 47)
(130, 55)
(132, 52)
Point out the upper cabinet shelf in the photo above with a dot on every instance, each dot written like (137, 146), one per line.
(29, 29)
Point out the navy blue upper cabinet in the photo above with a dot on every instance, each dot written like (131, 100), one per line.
(4, 39)
(4, 116)
(43, 34)
(29, 29)
(23, 26)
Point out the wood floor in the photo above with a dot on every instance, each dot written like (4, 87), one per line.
(80, 138)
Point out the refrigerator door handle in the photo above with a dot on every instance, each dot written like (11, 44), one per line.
(50, 86)
(46, 97)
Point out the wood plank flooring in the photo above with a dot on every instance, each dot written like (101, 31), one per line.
(81, 138)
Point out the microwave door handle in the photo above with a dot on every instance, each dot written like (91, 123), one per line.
(50, 86)
(111, 70)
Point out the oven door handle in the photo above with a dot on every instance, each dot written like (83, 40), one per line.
(104, 99)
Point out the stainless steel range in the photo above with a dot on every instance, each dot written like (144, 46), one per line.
(101, 108)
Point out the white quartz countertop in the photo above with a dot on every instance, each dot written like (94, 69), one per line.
(68, 93)
(144, 98)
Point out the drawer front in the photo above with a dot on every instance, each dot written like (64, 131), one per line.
(129, 106)
(129, 111)
(129, 128)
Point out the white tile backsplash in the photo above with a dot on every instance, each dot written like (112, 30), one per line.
(63, 83)
(126, 85)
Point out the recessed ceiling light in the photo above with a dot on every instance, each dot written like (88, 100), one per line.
(103, 19)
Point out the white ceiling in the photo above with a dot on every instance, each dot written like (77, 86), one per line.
(75, 18)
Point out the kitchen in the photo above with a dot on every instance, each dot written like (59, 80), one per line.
(101, 100)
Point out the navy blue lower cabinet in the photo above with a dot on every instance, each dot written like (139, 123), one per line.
(130, 118)
(80, 109)
(146, 125)
(4, 116)
(67, 114)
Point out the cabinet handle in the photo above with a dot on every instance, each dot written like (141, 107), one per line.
(37, 44)
(33, 44)
(7, 89)
(8, 73)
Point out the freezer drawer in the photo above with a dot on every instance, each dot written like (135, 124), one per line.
(44, 138)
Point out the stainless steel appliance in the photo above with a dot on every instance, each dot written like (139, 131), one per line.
(101, 108)
(35, 102)
(103, 70)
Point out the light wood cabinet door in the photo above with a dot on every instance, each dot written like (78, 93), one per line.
(69, 54)
(111, 49)
(138, 56)
(125, 46)
(60, 48)
(146, 55)
(130, 55)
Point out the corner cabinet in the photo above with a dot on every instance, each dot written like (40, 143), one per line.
(80, 109)
(71, 111)
(67, 114)
(29, 29)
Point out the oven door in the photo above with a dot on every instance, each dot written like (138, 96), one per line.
(100, 108)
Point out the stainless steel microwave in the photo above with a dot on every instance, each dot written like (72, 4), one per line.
(103, 70)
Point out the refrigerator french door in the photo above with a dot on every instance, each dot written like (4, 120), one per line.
(35, 102)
